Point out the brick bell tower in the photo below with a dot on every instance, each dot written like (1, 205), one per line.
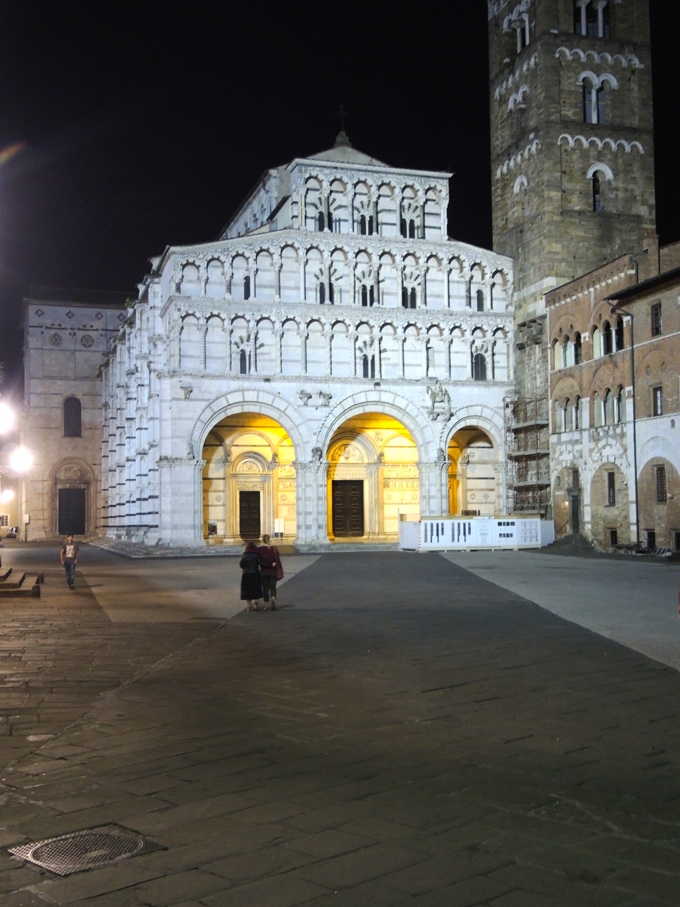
(572, 172)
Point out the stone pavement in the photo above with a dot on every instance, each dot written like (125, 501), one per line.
(401, 732)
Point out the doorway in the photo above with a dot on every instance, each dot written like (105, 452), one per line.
(348, 508)
(71, 519)
(249, 514)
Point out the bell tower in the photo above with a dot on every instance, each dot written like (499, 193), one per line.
(572, 163)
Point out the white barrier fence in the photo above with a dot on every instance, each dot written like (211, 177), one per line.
(450, 533)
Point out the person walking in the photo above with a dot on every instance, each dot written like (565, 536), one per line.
(270, 570)
(251, 584)
(69, 558)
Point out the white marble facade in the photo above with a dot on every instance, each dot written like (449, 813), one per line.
(332, 362)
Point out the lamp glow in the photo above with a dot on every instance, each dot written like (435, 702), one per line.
(6, 418)
(21, 459)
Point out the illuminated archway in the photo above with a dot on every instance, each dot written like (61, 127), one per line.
(372, 478)
(249, 483)
(472, 473)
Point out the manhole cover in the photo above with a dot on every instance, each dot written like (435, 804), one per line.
(87, 849)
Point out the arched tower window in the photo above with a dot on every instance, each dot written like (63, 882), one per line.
(72, 418)
(591, 18)
(597, 193)
(578, 355)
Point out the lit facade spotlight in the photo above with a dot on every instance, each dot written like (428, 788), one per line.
(6, 418)
(21, 459)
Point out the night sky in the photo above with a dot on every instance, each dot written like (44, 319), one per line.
(125, 128)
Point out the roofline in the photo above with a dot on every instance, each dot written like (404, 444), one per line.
(649, 284)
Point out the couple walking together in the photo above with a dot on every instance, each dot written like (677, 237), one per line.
(261, 568)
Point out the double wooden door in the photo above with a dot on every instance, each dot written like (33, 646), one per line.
(348, 508)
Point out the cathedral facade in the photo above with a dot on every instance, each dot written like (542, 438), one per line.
(331, 364)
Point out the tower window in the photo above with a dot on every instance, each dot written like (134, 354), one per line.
(657, 400)
(72, 418)
(611, 488)
(660, 484)
(598, 205)
(591, 18)
(656, 319)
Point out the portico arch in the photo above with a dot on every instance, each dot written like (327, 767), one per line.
(248, 479)
(372, 477)
(473, 472)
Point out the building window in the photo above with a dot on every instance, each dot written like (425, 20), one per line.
(368, 366)
(651, 538)
(366, 225)
(246, 287)
(597, 194)
(408, 297)
(660, 484)
(657, 400)
(243, 363)
(576, 414)
(72, 418)
(479, 367)
(607, 339)
(594, 103)
(611, 488)
(591, 19)
(619, 406)
(480, 300)
(618, 334)
(577, 350)
(656, 319)
(613, 538)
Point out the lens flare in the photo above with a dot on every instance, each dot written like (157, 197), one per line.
(10, 151)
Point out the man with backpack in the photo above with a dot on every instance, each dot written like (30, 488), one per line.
(270, 570)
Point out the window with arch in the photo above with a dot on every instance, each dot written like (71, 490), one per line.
(367, 295)
(368, 366)
(246, 287)
(595, 100)
(480, 300)
(607, 339)
(408, 297)
(478, 367)
(619, 406)
(73, 427)
(243, 363)
(576, 414)
(598, 204)
(591, 18)
(326, 292)
(578, 353)
(618, 334)
(366, 225)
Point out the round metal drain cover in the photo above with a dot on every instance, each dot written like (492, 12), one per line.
(85, 849)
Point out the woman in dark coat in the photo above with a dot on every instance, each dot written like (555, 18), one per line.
(251, 584)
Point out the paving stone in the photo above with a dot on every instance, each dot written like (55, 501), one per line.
(470, 752)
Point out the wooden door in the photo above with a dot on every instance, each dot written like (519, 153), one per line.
(249, 515)
(71, 518)
(348, 508)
